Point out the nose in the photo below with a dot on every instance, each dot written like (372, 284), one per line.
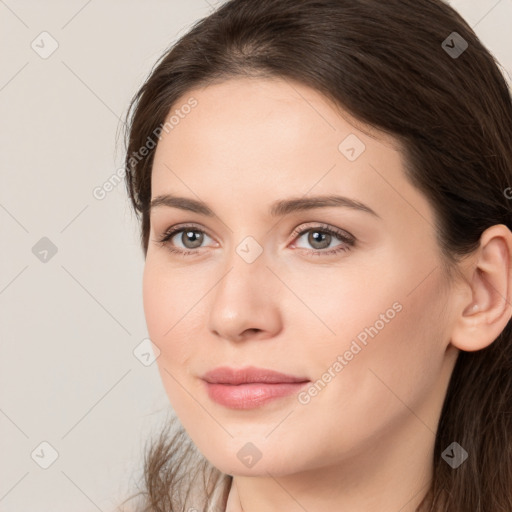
(245, 302)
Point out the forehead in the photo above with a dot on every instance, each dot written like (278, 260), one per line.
(253, 139)
(274, 111)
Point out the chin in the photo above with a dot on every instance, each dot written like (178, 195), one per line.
(238, 463)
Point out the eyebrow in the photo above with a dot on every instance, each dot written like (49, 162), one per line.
(279, 208)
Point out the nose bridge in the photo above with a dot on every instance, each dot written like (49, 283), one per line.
(249, 250)
(246, 273)
(245, 297)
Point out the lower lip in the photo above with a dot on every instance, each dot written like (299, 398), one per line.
(250, 396)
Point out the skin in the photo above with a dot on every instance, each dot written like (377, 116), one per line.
(365, 442)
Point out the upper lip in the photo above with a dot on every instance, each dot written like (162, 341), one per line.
(249, 374)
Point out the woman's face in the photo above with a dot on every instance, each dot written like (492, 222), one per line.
(360, 317)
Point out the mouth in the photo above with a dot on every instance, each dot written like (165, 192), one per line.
(250, 387)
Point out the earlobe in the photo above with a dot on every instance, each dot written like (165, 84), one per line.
(486, 313)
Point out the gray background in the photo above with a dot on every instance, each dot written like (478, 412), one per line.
(71, 321)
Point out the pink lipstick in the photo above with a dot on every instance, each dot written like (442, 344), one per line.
(249, 387)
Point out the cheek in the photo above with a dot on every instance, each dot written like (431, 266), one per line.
(155, 303)
(392, 354)
(169, 329)
(165, 314)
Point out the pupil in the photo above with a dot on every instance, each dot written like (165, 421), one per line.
(317, 237)
(190, 238)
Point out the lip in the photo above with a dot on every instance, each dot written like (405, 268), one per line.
(249, 387)
(248, 375)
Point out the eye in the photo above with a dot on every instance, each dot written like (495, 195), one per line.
(320, 238)
(191, 237)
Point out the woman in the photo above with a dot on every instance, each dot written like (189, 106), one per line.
(322, 187)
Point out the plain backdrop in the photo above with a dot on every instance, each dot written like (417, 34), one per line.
(78, 398)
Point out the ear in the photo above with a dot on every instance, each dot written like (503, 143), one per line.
(486, 307)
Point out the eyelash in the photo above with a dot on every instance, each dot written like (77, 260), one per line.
(348, 240)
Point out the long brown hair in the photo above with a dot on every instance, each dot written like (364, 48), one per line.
(417, 71)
